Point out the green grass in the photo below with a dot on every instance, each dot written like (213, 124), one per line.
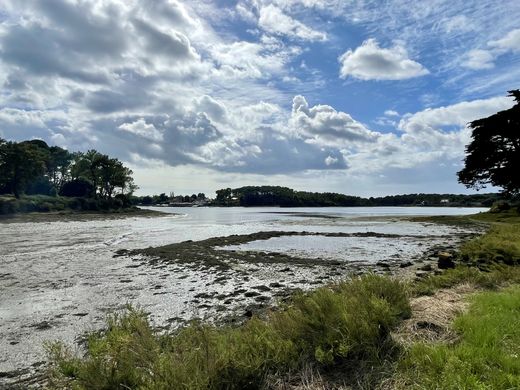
(347, 324)
(500, 244)
(486, 357)
(494, 276)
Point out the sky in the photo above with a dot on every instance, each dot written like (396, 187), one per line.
(359, 97)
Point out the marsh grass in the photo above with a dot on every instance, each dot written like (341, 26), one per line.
(486, 357)
(347, 324)
(494, 276)
(500, 244)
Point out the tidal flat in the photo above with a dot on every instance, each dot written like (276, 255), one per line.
(60, 279)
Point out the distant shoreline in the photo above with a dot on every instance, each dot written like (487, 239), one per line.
(80, 216)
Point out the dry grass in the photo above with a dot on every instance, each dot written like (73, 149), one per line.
(432, 316)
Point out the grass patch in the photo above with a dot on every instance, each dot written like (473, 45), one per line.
(487, 356)
(500, 244)
(494, 276)
(347, 324)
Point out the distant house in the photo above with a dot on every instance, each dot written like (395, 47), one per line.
(445, 201)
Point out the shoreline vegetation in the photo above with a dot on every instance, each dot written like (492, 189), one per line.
(42, 208)
(276, 196)
(366, 332)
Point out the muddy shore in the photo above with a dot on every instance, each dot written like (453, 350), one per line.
(79, 216)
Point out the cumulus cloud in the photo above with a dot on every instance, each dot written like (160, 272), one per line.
(326, 126)
(458, 114)
(214, 109)
(371, 62)
(142, 129)
(273, 20)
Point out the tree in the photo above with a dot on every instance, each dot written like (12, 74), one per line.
(493, 156)
(20, 164)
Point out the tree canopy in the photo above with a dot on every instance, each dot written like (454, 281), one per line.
(493, 156)
(34, 167)
(287, 197)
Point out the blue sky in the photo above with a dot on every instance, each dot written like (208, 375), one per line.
(360, 97)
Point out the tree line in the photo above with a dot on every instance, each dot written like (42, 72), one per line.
(33, 167)
(286, 197)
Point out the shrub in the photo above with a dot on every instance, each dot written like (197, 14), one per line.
(348, 323)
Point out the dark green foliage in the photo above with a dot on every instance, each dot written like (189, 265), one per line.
(348, 324)
(286, 197)
(20, 164)
(45, 203)
(493, 156)
(77, 187)
(32, 167)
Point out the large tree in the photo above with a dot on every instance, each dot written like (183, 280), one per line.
(493, 156)
(20, 164)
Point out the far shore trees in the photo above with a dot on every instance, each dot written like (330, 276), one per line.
(493, 156)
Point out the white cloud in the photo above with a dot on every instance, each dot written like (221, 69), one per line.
(484, 59)
(330, 160)
(371, 62)
(479, 59)
(458, 23)
(214, 109)
(511, 42)
(458, 114)
(323, 125)
(273, 20)
(142, 129)
(391, 113)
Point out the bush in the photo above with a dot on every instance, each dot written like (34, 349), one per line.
(500, 206)
(348, 323)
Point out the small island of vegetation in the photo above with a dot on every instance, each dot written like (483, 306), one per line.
(36, 177)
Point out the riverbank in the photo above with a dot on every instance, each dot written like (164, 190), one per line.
(340, 335)
(34, 208)
(78, 216)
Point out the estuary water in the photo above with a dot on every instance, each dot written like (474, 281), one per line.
(59, 280)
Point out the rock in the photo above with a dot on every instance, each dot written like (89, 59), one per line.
(262, 288)
(421, 274)
(426, 267)
(406, 264)
(445, 260)
(383, 264)
(250, 294)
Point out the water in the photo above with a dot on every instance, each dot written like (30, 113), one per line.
(60, 279)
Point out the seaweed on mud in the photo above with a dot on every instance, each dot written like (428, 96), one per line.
(209, 253)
